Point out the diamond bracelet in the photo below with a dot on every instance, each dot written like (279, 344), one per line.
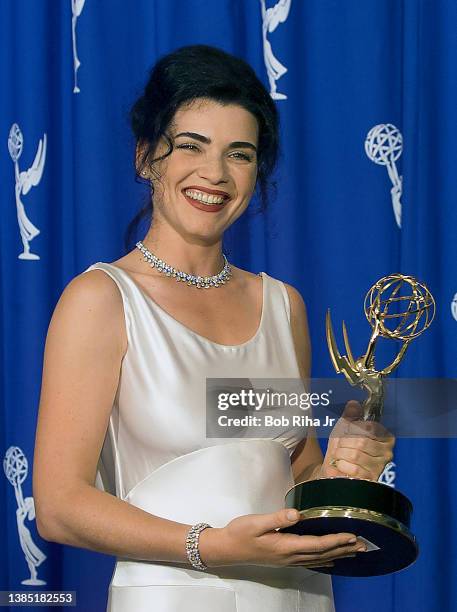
(192, 545)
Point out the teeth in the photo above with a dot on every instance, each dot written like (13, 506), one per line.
(204, 197)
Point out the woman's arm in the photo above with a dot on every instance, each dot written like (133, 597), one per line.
(85, 345)
(307, 458)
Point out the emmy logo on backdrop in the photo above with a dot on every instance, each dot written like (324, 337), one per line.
(384, 145)
(76, 10)
(15, 467)
(454, 307)
(271, 18)
(388, 475)
(25, 180)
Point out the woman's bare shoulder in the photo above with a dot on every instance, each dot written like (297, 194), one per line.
(297, 303)
(93, 287)
(93, 299)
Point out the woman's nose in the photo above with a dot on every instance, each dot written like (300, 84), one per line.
(213, 170)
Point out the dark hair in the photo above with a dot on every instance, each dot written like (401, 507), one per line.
(190, 73)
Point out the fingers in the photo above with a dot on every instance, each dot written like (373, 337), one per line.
(340, 553)
(357, 463)
(357, 448)
(352, 470)
(319, 545)
(353, 464)
(367, 445)
(327, 558)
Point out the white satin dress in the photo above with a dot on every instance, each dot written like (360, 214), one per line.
(156, 456)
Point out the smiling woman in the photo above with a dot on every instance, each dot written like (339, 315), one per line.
(122, 417)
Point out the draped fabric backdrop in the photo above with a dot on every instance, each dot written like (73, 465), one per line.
(367, 186)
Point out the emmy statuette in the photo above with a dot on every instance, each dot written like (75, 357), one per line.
(397, 307)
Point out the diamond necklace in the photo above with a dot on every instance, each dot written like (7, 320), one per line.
(200, 282)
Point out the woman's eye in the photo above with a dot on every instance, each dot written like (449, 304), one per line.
(188, 145)
(242, 156)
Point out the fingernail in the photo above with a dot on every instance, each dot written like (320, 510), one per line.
(362, 548)
(352, 541)
(292, 515)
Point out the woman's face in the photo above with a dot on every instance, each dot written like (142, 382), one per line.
(207, 181)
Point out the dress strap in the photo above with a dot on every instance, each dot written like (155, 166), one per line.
(278, 297)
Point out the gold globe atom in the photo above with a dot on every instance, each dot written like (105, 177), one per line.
(401, 307)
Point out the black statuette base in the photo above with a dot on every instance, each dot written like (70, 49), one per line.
(369, 509)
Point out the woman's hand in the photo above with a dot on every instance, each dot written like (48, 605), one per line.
(252, 539)
(356, 448)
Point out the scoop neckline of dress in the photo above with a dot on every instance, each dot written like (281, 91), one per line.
(162, 310)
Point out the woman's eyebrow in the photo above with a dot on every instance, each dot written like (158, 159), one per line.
(206, 140)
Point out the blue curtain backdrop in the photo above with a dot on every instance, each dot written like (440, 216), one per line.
(367, 185)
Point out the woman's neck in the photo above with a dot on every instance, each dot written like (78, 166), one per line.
(191, 257)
